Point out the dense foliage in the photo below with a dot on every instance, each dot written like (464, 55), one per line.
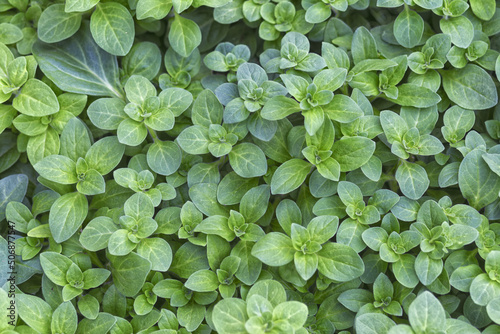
(249, 166)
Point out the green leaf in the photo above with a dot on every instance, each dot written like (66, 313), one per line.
(56, 24)
(75, 140)
(112, 27)
(352, 152)
(12, 189)
(248, 160)
(107, 113)
(483, 290)
(369, 323)
(412, 180)
(293, 311)
(279, 107)
(143, 59)
(289, 176)
(253, 204)
(427, 268)
(204, 196)
(408, 28)
(88, 306)
(105, 155)
(79, 5)
(394, 126)
(66, 215)
(157, 251)
(485, 10)
(404, 271)
(100, 325)
(216, 225)
(129, 273)
(138, 89)
(342, 109)
(274, 249)
(462, 277)
(250, 267)
(131, 133)
(43, 145)
(156, 9)
(10, 33)
(194, 140)
(71, 65)
(473, 174)
(184, 35)
(93, 183)
(229, 316)
(429, 4)
(139, 205)
(330, 79)
(271, 290)
(372, 65)
(470, 87)
(94, 277)
(232, 188)
(349, 193)
(373, 168)
(305, 264)
(207, 109)
(64, 319)
(363, 45)
(36, 99)
(459, 28)
(57, 168)
(96, 234)
(202, 281)
(354, 299)
(35, 312)
(55, 267)
(339, 262)
(176, 100)
(191, 315)
(416, 96)
(188, 259)
(164, 157)
(493, 308)
(493, 161)
(426, 314)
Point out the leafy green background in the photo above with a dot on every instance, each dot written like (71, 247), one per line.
(250, 166)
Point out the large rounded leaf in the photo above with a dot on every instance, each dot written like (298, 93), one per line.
(470, 87)
(67, 215)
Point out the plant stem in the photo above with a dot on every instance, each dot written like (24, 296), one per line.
(95, 260)
(153, 134)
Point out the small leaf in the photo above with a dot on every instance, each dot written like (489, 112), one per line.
(289, 176)
(412, 180)
(164, 157)
(352, 152)
(66, 215)
(55, 24)
(408, 28)
(36, 99)
(202, 281)
(184, 36)
(112, 27)
(248, 160)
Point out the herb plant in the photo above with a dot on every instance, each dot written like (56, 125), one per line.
(249, 166)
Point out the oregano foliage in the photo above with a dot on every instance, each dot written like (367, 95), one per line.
(249, 166)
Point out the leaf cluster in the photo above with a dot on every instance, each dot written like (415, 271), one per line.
(249, 166)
